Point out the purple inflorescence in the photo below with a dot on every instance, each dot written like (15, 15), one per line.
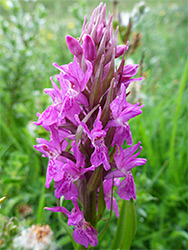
(88, 124)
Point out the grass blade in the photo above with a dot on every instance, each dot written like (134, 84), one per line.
(10, 135)
(41, 206)
(172, 172)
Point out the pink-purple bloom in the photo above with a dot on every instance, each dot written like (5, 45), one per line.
(84, 233)
(126, 160)
(126, 188)
(88, 122)
(97, 135)
(129, 71)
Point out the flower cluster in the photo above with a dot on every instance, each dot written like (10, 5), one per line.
(88, 124)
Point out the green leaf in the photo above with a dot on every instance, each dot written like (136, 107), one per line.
(41, 205)
(63, 241)
(172, 161)
(182, 234)
(120, 228)
(130, 225)
(101, 203)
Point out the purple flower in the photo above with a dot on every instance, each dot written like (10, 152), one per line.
(121, 134)
(66, 185)
(65, 173)
(64, 103)
(97, 135)
(69, 106)
(84, 233)
(48, 117)
(126, 160)
(129, 70)
(126, 188)
(75, 75)
(54, 171)
(122, 112)
(67, 100)
(51, 149)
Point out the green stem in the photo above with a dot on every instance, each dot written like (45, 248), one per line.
(95, 179)
(91, 211)
(82, 247)
(90, 196)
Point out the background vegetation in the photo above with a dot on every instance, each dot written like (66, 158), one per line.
(32, 37)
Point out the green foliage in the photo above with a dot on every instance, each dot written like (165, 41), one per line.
(9, 228)
(31, 39)
(130, 225)
(120, 228)
(161, 189)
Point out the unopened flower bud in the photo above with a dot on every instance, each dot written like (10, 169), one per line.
(89, 48)
(74, 46)
(120, 50)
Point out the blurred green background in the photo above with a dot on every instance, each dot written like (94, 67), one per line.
(32, 37)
